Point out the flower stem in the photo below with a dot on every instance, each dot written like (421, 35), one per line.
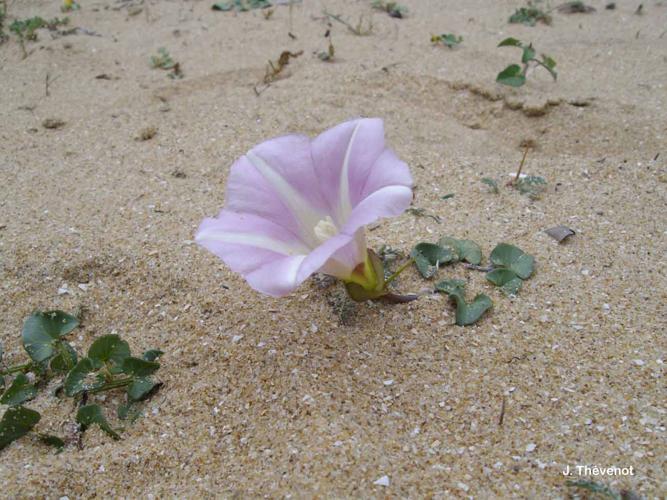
(399, 271)
(114, 384)
(16, 368)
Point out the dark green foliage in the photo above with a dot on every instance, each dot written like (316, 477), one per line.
(449, 40)
(93, 414)
(16, 422)
(514, 75)
(467, 313)
(428, 257)
(20, 391)
(241, 5)
(108, 366)
(529, 16)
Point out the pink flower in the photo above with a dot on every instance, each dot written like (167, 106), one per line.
(297, 206)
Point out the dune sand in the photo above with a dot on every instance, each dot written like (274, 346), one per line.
(277, 397)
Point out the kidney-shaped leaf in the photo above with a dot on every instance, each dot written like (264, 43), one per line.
(92, 414)
(79, 379)
(21, 390)
(511, 257)
(138, 367)
(109, 348)
(16, 422)
(43, 329)
(429, 256)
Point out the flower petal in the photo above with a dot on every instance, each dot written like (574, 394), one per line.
(386, 202)
(246, 242)
(343, 156)
(277, 278)
(387, 170)
(276, 180)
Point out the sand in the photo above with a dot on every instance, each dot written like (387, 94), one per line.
(286, 397)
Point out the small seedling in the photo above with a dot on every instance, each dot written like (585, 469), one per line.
(449, 40)
(530, 16)
(394, 9)
(328, 55)
(515, 75)
(164, 61)
(25, 29)
(241, 5)
(69, 5)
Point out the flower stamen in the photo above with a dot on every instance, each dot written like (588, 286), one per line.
(325, 229)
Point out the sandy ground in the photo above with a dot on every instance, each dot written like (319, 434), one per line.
(278, 397)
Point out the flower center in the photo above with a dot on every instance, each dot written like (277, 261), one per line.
(325, 229)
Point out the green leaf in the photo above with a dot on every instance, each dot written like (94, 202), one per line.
(528, 54)
(52, 440)
(467, 313)
(138, 367)
(491, 183)
(241, 5)
(92, 414)
(66, 358)
(512, 75)
(529, 16)
(447, 196)
(511, 257)
(596, 489)
(43, 329)
(466, 250)
(510, 42)
(451, 286)
(129, 411)
(449, 40)
(548, 62)
(505, 278)
(21, 390)
(79, 379)
(141, 388)
(428, 257)
(223, 6)
(16, 422)
(109, 348)
(532, 185)
(152, 354)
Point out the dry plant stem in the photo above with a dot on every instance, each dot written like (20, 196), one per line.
(523, 160)
(501, 418)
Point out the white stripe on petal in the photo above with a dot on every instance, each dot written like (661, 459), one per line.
(305, 213)
(253, 240)
(345, 204)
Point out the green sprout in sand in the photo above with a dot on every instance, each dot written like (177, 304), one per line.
(514, 75)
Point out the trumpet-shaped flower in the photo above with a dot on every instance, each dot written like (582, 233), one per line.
(296, 206)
